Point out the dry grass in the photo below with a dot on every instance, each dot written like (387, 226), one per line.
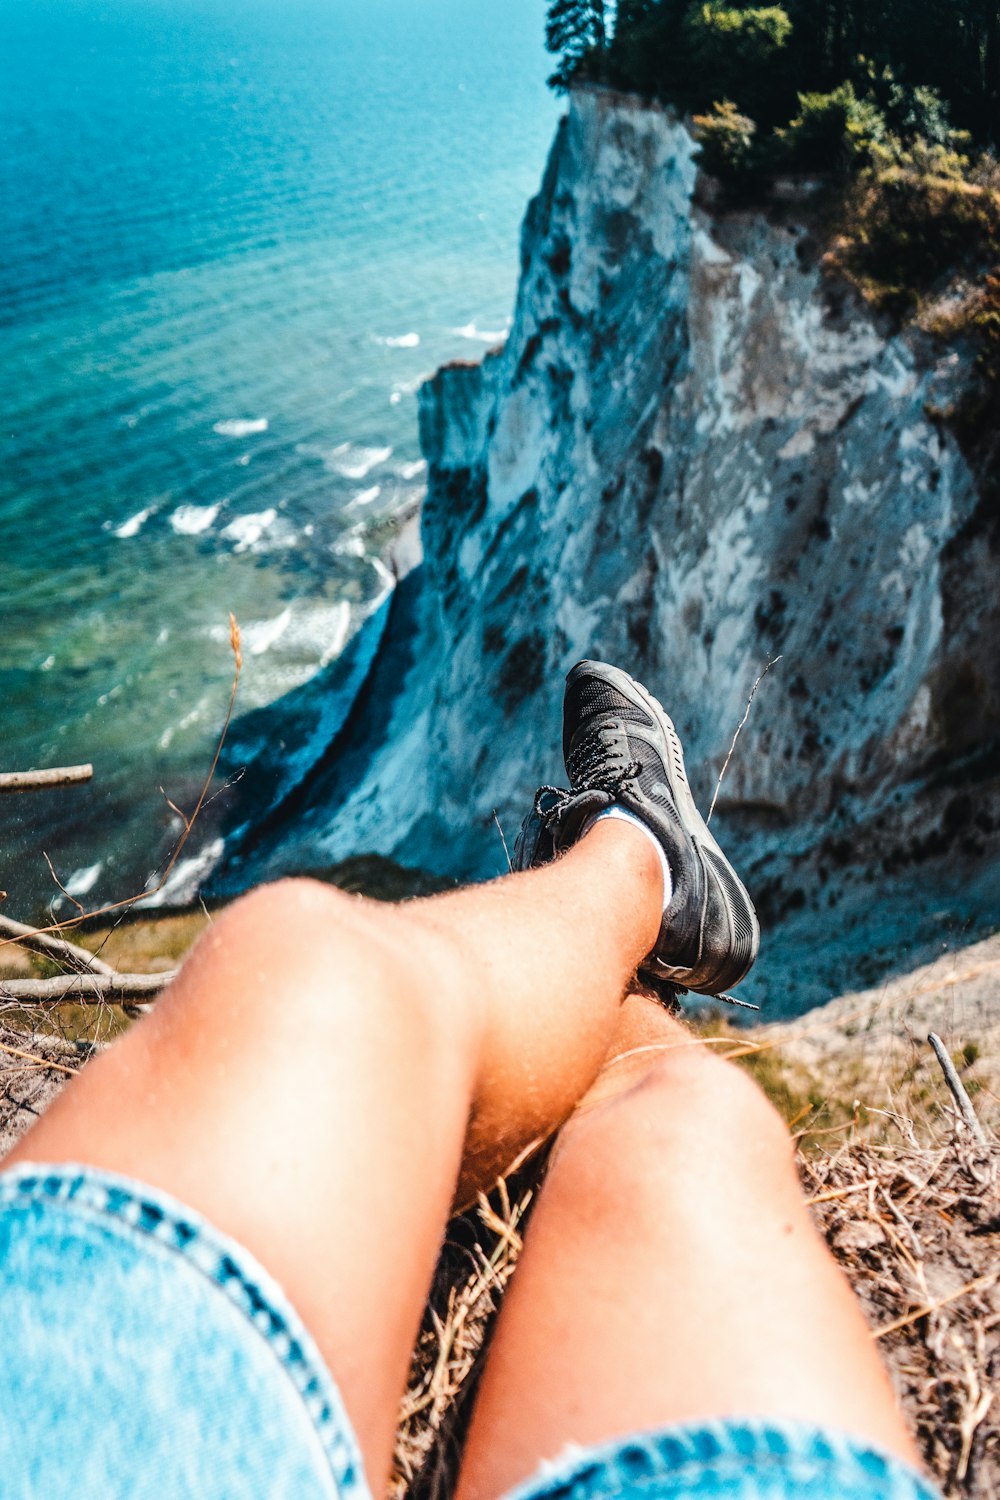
(915, 1229)
(146, 945)
(479, 1255)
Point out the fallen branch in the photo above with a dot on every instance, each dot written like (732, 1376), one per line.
(85, 989)
(80, 960)
(844, 1192)
(38, 781)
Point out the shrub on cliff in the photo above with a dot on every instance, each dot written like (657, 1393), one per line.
(832, 132)
(727, 141)
(895, 102)
(818, 74)
(578, 31)
(922, 56)
(919, 219)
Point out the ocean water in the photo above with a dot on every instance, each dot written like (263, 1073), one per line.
(233, 239)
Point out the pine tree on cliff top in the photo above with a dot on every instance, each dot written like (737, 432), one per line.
(575, 30)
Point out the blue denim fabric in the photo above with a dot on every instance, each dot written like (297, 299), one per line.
(142, 1353)
(145, 1354)
(748, 1459)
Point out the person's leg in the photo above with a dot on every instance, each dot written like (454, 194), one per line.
(670, 1273)
(324, 1069)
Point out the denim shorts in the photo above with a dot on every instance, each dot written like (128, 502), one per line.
(145, 1354)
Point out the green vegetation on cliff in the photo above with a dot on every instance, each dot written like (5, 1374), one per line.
(874, 67)
(894, 103)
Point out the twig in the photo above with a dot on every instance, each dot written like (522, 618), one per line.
(828, 1197)
(732, 1000)
(903, 1123)
(746, 714)
(85, 989)
(37, 781)
(503, 841)
(958, 1091)
(970, 1286)
(38, 1062)
(65, 892)
(971, 1419)
(175, 809)
(903, 1222)
(78, 959)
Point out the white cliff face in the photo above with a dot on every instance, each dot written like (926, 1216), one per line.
(691, 456)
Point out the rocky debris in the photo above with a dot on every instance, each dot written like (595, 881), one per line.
(34, 1067)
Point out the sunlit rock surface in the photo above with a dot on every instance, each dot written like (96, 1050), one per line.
(691, 456)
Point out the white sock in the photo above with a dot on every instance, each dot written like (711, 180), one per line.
(627, 817)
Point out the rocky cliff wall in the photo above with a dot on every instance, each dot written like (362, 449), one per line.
(692, 455)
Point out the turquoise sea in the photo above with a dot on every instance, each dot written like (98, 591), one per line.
(233, 238)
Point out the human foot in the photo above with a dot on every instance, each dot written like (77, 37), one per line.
(621, 749)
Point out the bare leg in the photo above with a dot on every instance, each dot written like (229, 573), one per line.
(318, 1071)
(670, 1273)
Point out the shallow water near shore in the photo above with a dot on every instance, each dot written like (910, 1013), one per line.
(235, 239)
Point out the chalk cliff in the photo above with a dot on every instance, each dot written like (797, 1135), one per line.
(691, 455)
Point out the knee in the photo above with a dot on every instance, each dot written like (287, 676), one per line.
(289, 920)
(699, 1096)
(686, 1133)
(335, 953)
(295, 904)
(297, 935)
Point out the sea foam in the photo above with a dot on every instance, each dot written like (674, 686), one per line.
(353, 461)
(365, 497)
(182, 884)
(237, 427)
(134, 524)
(246, 531)
(82, 881)
(261, 636)
(192, 520)
(479, 335)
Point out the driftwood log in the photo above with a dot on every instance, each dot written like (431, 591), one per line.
(79, 960)
(85, 989)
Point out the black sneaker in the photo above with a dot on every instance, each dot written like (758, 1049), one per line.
(620, 746)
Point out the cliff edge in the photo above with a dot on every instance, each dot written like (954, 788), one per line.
(692, 455)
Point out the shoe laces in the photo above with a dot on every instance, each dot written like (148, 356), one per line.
(595, 766)
(592, 765)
